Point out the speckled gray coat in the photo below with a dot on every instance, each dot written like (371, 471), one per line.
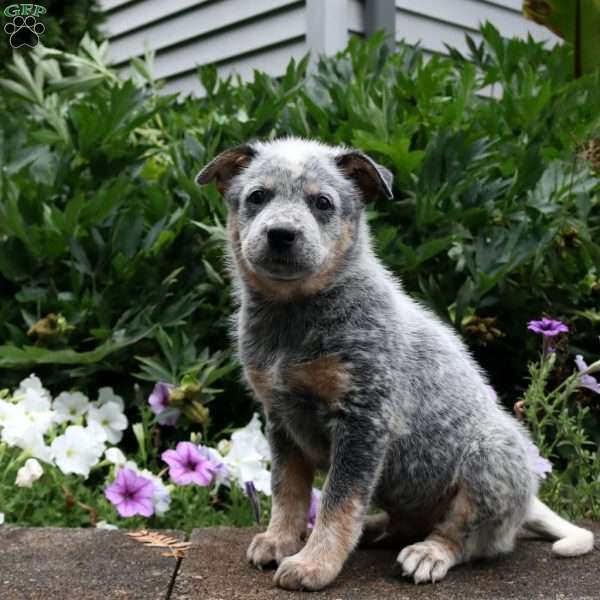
(358, 379)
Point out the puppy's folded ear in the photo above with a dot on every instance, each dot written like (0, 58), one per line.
(370, 177)
(226, 165)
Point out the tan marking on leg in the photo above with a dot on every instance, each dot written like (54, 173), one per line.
(333, 538)
(338, 532)
(430, 559)
(325, 377)
(291, 500)
(261, 382)
(450, 531)
(407, 526)
(280, 291)
(287, 527)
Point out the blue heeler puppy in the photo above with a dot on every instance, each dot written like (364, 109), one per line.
(359, 379)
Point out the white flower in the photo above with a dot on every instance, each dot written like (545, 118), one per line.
(115, 456)
(32, 408)
(248, 456)
(252, 437)
(105, 525)
(40, 421)
(31, 471)
(111, 418)
(105, 395)
(76, 451)
(1, 518)
(32, 388)
(7, 410)
(97, 435)
(70, 406)
(21, 433)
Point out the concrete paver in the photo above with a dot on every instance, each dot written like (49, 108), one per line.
(89, 564)
(215, 569)
(82, 564)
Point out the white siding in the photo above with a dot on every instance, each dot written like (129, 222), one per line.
(356, 19)
(243, 35)
(433, 23)
(236, 35)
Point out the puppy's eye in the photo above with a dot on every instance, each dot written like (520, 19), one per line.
(257, 197)
(323, 203)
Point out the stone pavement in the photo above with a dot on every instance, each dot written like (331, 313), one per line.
(88, 564)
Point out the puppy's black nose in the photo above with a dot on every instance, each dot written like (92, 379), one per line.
(280, 238)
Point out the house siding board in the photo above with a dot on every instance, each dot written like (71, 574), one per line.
(202, 21)
(356, 16)
(271, 60)
(239, 35)
(430, 34)
(109, 5)
(445, 17)
(231, 43)
(146, 12)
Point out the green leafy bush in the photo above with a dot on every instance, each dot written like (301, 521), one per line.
(110, 255)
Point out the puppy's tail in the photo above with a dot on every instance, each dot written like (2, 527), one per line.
(572, 540)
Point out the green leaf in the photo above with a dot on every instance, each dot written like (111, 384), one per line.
(30, 356)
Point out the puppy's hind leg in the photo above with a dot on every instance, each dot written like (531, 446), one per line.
(375, 529)
(445, 547)
(571, 540)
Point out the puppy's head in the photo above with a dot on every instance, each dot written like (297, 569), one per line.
(294, 206)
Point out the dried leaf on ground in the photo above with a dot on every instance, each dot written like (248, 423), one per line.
(153, 539)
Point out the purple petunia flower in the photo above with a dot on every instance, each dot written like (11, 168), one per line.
(221, 471)
(315, 498)
(586, 380)
(547, 327)
(188, 465)
(159, 403)
(254, 500)
(131, 494)
(539, 465)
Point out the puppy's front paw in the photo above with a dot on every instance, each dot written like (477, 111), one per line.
(298, 573)
(425, 561)
(267, 548)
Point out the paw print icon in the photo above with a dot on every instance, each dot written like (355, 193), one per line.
(24, 31)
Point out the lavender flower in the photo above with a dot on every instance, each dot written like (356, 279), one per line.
(159, 403)
(539, 465)
(585, 379)
(221, 471)
(188, 465)
(315, 498)
(131, 494)
(549, 328)
(254, 499)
